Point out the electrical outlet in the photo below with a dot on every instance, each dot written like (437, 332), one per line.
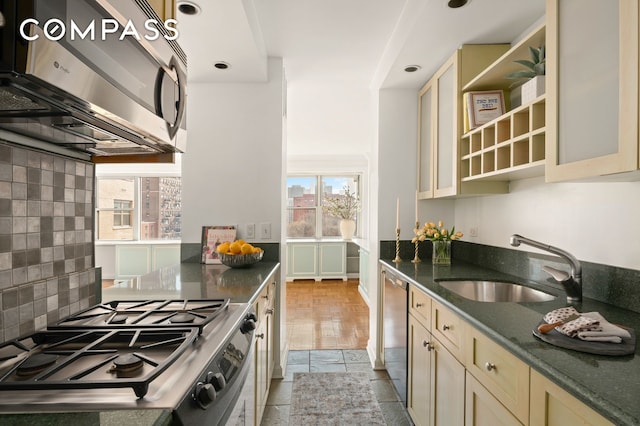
(473, 232)
(265, 231)
(250, 230)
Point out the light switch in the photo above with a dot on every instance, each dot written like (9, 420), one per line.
(265, 231)
(250, 230)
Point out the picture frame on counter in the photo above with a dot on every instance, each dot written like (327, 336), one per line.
(212, 237)
(481, 107)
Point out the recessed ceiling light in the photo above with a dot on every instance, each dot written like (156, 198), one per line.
(222, 65)
(188, 8)
(412, 68)
(456, 3)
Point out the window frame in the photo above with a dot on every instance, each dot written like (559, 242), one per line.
(135, 211)
(319, 213)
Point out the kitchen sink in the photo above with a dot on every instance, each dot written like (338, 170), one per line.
(495, 291)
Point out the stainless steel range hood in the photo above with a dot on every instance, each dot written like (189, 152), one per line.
(114, 97)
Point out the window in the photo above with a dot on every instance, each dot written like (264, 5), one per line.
(305, 216)
(122, 210)
(135, 208)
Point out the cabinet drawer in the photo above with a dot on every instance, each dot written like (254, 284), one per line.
(482, 409)
(420, 306)
(448, 328)
(500, 372)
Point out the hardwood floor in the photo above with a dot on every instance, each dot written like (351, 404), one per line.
(328, 314)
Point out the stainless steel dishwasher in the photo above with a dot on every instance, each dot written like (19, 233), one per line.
(395, 331)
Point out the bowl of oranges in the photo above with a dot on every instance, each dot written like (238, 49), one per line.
(239, 254)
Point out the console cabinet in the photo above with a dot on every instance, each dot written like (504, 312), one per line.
(316, 260)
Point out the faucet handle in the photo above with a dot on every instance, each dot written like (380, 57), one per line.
(557, 274)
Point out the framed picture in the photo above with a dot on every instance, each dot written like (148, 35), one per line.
(483, 106)
(212, 237)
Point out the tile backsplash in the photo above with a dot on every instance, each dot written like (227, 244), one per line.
(47, 266)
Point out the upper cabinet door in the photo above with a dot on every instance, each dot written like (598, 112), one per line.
(592, 88)
(446, 146)
(426, 130)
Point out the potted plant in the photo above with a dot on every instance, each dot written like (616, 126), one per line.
(532, 75)
(344, 207)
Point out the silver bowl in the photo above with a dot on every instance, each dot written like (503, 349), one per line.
(241, 260)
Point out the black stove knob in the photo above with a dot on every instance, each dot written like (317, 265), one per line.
(217, 380)
(252, 316)
(204, 395)
(248, 325)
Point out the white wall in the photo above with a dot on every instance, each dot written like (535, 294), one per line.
(397, 139)
(596, 222)
(328, 118)
(232, 170)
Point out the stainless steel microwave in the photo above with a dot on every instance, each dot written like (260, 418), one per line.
(99, 76)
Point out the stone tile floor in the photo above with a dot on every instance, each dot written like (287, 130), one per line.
(330, 360)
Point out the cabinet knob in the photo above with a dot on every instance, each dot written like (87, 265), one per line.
(269, 311)
(446, 327)
(427, 345)
(260, 336)
(490, 366)
(419, 305)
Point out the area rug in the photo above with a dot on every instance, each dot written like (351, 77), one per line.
(334, 399)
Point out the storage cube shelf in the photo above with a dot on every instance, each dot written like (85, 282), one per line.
(511, 146)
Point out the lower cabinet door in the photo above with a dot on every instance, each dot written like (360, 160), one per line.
(419, 373)
(482, 409)
(553, 406)
(448, 387)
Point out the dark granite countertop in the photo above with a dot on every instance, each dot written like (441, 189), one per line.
(195, 281)
(608, 384)
(186, 280)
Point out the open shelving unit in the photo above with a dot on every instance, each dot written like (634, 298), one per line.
(511, 146)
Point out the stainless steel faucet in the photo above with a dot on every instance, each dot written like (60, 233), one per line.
(572, 283)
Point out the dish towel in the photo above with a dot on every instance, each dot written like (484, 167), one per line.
(590, 326)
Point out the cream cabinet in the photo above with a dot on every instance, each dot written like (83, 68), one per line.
(166, 9)
(435, 394)
(501, 373)
(553, 406)
(440, 122)
(457, 375)
(512, 146)
(264, 359)
(592, 106)
(483, 409)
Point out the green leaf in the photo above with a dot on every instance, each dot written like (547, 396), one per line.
(520, 75)
(525, 63)
(535, 55)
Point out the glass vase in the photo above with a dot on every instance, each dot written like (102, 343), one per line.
(441, 253)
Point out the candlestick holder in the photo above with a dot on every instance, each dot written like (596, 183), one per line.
(416, 259)
(397, 259)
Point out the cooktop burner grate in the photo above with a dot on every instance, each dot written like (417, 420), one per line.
(146, 314)
(90, 359)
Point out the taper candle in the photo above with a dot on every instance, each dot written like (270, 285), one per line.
(398, 213)
(416, 206)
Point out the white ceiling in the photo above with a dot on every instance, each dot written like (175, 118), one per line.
(364, 42)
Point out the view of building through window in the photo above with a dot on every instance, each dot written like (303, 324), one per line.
(305, 217)
(138, 208)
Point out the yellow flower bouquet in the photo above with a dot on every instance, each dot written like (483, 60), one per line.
(441, 238)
